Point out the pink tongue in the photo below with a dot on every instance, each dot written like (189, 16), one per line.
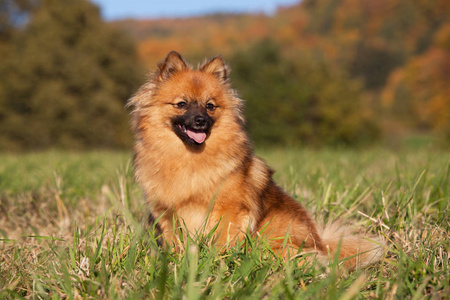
(199, 137)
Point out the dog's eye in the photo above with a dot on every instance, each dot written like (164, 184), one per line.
(181, 104)
(210, 106)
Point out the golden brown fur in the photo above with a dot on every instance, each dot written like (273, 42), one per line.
(218, 180)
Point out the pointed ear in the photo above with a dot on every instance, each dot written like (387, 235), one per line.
(217, 67)
(171, 65)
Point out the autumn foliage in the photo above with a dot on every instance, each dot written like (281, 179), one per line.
(318, 72)
(419, 92)
(390, 57)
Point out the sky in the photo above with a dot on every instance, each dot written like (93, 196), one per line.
(150, 9)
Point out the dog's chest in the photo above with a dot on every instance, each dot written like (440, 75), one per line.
(194, 217)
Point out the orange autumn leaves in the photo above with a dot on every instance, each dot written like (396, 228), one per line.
(423, 85)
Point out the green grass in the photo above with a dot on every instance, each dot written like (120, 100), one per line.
(71, 227)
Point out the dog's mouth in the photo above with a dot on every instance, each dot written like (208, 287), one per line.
(198, 136)
(193, 129)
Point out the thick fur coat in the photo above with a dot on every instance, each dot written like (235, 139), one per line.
(195, 163)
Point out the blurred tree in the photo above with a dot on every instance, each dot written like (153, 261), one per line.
(323, 13)
(374, 37)
(67, 81)
(300, 99)
(14, 13)
(418, 95)
(373, 61)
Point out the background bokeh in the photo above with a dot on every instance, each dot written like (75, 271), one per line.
(318, 72)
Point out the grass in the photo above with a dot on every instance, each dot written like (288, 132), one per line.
(71, 227)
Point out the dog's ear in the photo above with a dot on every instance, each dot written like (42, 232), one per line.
(172, 64)
(217, 67)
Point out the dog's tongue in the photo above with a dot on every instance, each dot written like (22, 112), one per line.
(199, 137)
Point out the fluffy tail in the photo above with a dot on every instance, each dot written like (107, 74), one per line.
(355, 250)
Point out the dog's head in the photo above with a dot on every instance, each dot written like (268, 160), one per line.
(193, 104)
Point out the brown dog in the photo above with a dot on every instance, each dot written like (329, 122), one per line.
(195, 163)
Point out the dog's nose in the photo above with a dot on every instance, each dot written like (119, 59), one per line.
(200, 121)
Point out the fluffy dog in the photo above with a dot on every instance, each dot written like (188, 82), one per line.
(195, 163)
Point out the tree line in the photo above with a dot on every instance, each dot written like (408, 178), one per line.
(322, 72)
(66, 76)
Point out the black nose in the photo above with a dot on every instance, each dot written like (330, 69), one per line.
(200, 121)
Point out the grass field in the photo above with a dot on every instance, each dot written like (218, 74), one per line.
(71, 227)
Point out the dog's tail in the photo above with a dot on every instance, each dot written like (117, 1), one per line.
(353, 250)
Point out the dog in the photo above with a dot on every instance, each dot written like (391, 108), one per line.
(195, 163)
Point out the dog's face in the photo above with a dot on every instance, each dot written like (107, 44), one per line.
(193, 104)
(194, 125)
